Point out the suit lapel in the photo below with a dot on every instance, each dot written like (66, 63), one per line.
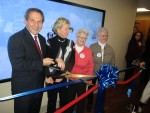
(31, 40)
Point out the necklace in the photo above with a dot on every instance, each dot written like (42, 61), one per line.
(61, 40)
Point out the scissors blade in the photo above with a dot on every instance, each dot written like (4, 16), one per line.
(54, 68)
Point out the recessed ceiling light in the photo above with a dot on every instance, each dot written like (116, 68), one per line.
(142, 9)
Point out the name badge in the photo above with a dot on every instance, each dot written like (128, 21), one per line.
(68, 49)
(82, 55)
(99, 54)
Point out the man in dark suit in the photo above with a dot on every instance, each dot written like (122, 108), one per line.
(28, 62)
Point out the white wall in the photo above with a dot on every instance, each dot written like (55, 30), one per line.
(6, 106)
(119, 20)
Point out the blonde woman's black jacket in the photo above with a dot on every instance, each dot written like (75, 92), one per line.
(64, 48)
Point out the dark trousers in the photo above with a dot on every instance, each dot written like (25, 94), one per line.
(73, 90)
(91, 95)
(137, 89)
(28, 104)
(129, 73)
(52, 98)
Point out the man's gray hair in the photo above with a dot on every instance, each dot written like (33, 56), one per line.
(26, 16)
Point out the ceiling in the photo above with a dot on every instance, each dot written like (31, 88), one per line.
(144, 3)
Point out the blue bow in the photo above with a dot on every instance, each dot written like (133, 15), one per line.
(107, 77)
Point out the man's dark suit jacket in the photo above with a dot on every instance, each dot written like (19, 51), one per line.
(27, 66)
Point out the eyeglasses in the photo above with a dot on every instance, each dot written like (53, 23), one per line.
(83, 38)
(103, 35)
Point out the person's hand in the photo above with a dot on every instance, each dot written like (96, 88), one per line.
(49, 80)
(47, 61)
(58, 80)
(68, 73)
(60, 63)
(142, 64)
(129, 92)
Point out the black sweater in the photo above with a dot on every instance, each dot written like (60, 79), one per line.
(60, 47)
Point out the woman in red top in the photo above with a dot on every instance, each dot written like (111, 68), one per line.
(83, 65)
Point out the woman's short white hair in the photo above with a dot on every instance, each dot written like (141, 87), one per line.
(102, 29)
(83, 30)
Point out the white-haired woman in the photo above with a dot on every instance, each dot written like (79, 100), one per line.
(83, 65)
(102, 53)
